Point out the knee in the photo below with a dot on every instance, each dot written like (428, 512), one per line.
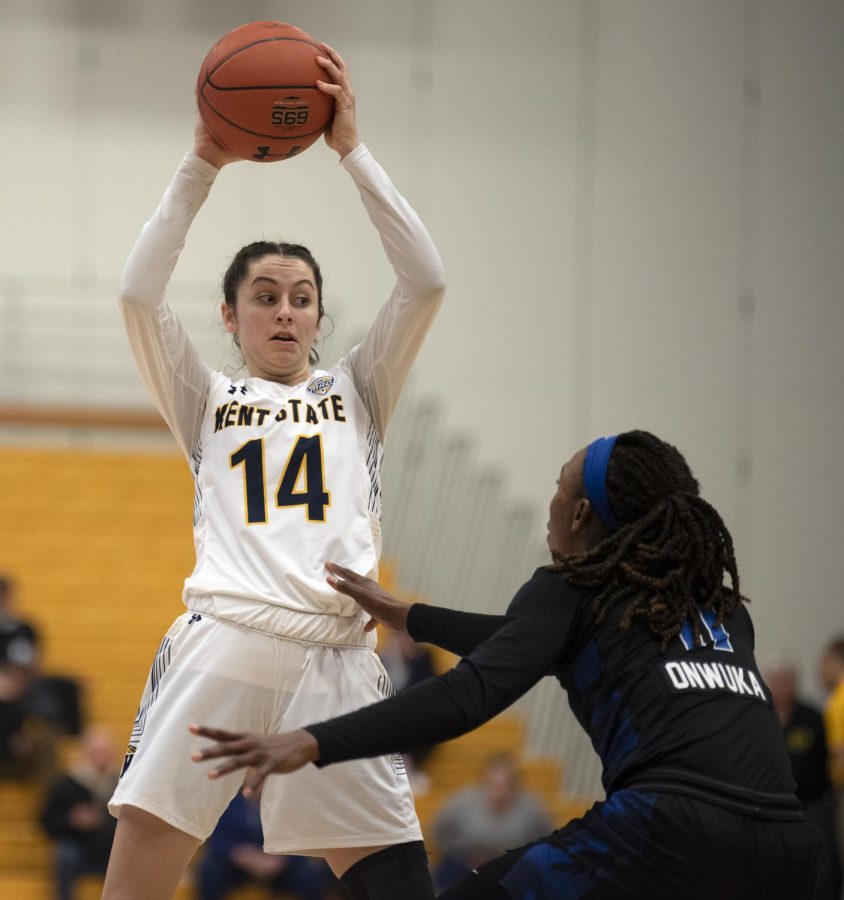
(139, 821)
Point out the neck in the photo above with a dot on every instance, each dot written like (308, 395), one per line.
(290, 380)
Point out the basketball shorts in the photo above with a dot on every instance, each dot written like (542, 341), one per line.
(212, 672)
(655, 846)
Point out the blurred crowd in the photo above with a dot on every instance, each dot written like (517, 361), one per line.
(40, 711)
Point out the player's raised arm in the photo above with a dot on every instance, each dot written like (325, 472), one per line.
(381, 362)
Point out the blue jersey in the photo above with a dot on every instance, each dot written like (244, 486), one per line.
(697, 716)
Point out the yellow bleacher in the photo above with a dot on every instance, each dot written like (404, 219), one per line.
(99, 544)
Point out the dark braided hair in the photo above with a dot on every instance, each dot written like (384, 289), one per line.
(668, 557)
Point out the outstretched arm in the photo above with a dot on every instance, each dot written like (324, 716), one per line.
(534, 640)
(458, 632)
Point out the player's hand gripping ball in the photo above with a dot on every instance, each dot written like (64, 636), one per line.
(257, 91)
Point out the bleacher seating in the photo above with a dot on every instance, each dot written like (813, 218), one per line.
(99, 544)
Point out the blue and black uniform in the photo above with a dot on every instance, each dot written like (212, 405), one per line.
(700, 795)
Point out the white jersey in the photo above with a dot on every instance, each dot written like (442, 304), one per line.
(287, 477)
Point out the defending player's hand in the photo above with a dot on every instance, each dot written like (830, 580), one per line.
(261, 754)
(383, 607)
(342, 134)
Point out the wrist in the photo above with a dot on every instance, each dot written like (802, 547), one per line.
(310, 745)
(344, 149)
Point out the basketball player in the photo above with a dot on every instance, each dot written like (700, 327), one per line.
(286, 465)
(656, 656)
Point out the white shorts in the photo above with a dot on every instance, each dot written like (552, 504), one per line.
(213, 672)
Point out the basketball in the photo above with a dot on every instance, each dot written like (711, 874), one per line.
(257, 91)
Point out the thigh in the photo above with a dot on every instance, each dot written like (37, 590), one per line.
(660, 847)
(209, 672)
(363, 803)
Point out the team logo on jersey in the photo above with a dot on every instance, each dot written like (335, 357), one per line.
(321, 385)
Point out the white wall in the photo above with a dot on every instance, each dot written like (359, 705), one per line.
(640, 204)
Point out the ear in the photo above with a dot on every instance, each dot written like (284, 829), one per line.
(228, 318)
(582, 515)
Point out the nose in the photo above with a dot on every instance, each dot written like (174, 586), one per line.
(283, 312)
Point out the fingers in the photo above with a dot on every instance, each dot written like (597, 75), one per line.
(215, 734)
(344, 573)
(231, 765)
(238, 750)
(337, 76)
(335, 58)
(371, 625)
(336, 70)
(255, 779)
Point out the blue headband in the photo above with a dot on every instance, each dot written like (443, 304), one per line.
(595, 478)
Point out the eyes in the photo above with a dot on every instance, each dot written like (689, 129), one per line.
(301, 301)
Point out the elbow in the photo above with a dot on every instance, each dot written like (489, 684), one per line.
(132, 295)
(434, 290)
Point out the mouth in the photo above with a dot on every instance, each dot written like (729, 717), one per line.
(283, 339)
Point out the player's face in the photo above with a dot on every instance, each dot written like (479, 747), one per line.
(276, 318)
(563, 537)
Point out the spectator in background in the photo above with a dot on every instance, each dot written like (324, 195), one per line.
(26, 744)
(805, 740)
(75, 812)
(18, 638)
(481, 822)
(831, 672)
(234, 855)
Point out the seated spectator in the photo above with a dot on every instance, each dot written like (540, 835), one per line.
(75, 814)
(805, 740)
(481, 822)
(26, 741)
(18, 638)
(234, 856)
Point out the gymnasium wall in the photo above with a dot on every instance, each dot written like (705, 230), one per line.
(640, 204)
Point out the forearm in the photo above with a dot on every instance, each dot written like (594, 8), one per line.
(380, 364)
(434, 710)
(154, 256)
(167, 361)
(458, 632)
(409, 248)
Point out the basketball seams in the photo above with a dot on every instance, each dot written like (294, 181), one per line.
(251, 59)
(262, 87)
(255, 44)
(273, 137)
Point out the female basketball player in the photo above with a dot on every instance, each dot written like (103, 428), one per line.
(286, 465)
(656, 655)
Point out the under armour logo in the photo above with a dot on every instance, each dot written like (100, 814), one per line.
(264, 152)
(233, 389)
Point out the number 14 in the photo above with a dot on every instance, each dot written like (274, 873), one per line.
(304, 465)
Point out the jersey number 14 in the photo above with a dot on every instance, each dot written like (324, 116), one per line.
(302, 481)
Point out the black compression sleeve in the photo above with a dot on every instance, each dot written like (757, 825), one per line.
(530, 643)
(459, 632)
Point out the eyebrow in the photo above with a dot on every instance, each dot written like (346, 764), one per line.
(258, 278)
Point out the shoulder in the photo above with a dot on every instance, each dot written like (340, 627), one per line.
(548, 588)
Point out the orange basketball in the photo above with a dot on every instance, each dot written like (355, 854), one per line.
(257, 91)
